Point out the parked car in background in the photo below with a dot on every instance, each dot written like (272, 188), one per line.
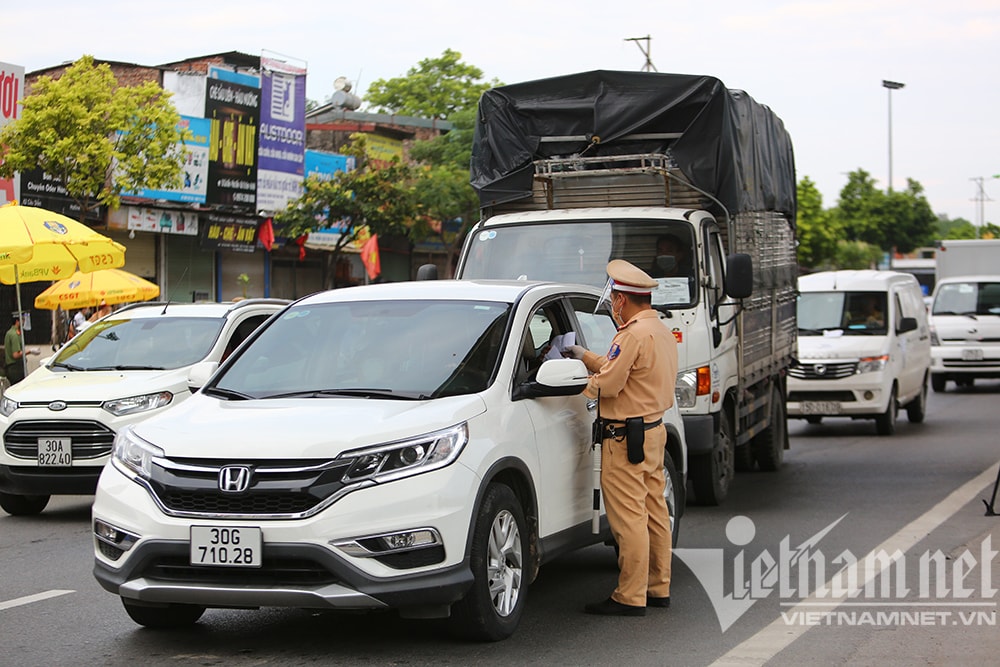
(863, 348)
(965, 330)
(418, 446)
(59, 423)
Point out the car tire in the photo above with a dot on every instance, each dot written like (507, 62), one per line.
(885, 423)
(712, 473)
(17, 505)
(163, 617)
(769, 445)
(673, 493)
(492, 607)
(938, 382)
(916, 409)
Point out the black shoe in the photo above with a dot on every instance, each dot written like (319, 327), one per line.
(657, 602)
(610, 607)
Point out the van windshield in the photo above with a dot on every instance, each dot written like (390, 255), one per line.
(853, 313)
(579, 252)
(967, 298)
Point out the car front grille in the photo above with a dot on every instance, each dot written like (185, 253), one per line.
(274, 571)
(838, 396)
(823, 370)
(91, 439)
(274, 489)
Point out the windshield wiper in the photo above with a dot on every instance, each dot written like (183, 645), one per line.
(813, 332)
(226, 393)
(126, 368)
(361, 392)
(69, 367)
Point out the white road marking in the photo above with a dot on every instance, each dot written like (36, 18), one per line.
(28, 599)
(778, 635)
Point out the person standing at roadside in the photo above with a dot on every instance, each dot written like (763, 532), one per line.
(13, 352)
(634, 383)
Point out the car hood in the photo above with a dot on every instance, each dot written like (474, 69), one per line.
(45, 385)
(962, 327)
(310, 428)
(840, 347)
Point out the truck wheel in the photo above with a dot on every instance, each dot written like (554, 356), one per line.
(743, 458)
(167, 616)
(491, 609)
(17, 505)
(885, 423)
(673, 493)
(712, 473)
(938, 382)
(769, 444)
(916, 409)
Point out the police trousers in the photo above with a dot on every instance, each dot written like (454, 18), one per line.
(639, 518)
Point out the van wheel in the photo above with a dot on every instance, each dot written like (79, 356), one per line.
(769, 444)
(938, 382)
(17, 505)
(491, 609)
(163, 617)
(711, 474)
(916, 409)
(885, 423)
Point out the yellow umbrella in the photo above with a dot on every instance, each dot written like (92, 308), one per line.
(36, 244)
(89, 289)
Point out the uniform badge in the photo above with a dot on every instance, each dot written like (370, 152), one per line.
(614, 351)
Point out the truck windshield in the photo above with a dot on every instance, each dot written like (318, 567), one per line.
(967, 298)
(579, 251)
(853, 313)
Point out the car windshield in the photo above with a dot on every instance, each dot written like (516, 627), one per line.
(971, 298)
(147, 343)
(376, 349)
(579, 252)
(853, 313)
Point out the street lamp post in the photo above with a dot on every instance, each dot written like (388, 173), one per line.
(891, 86)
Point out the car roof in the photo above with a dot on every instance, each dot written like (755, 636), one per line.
(506, 291)
(854, 281)
(199, 309)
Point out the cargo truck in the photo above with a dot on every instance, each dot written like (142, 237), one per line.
(965, 313)
(686, 179)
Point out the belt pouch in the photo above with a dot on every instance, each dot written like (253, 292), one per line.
(635, 437)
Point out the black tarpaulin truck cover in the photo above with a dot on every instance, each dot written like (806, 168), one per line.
(728, 144)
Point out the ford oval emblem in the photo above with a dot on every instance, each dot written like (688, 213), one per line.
(56, 406)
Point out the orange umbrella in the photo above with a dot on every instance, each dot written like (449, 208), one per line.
(89, 289)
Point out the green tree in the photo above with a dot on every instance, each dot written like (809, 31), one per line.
(899, 221)
(377, 194)
(857, 255)
(816, 231)
(959, 228)
(99, 139)
(435, 88)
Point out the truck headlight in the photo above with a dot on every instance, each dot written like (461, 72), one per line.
(134, 404)
(686, 389)
(133, 455)
(935, 341)
(7, 406)
(872, 364)
(385, 463)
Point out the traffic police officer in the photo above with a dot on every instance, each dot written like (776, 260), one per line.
(634, 382)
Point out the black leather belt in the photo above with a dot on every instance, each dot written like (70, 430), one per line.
(617, 429)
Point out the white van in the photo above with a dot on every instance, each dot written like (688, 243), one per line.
(864, 348)
(965, 330)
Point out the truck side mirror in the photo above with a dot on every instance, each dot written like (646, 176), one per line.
(427, 272)
(739, 275)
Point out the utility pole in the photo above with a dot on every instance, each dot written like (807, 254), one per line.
(649, 66)
(982, 199)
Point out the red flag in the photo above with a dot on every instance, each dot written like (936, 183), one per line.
(301, 242)
(370, 258)
(266, 235)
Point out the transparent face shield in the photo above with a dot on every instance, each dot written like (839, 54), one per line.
(605, 300)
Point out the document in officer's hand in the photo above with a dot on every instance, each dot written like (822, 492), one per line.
(560, 343)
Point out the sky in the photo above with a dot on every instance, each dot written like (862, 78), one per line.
(818, 64)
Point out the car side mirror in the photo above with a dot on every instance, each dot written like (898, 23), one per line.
(907, 324)
(555, 377)
(739, 275)
(200, 373)
(427, 272)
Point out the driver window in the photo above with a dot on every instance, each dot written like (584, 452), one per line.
(597, 330)
(543, 326)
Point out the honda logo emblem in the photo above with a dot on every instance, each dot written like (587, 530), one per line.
(234, 479)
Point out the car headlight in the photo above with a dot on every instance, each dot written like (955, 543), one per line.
(935, 341)
(134, 404)
(385, 463)
(133, 455)
(872, 364)
(686, 389)
(7, 406)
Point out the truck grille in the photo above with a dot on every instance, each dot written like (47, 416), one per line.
(823, 370)
(91, 439)
(275, 489)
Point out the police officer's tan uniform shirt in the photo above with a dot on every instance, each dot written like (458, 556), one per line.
(636, 353)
